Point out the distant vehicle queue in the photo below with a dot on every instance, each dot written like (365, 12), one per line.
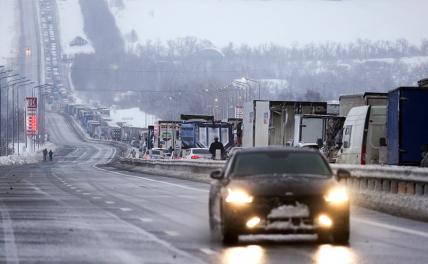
(370, 128)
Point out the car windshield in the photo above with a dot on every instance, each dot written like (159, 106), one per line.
(156, 152)
(201, 151)
(279, 162)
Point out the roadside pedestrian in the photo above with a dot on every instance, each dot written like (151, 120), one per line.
(50, 155)
(217, 145)
(45, 154)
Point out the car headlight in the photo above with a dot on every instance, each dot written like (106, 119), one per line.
(337, 195)
(238, 197)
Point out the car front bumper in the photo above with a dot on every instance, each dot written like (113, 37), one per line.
(236, 217)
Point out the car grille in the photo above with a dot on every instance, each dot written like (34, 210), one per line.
(275, 201)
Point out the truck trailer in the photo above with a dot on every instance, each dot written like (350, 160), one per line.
(267, 123)
(407, 125)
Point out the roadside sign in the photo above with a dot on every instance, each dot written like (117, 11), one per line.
(31, 102)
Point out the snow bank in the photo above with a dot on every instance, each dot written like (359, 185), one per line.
(71, 26)
(9, 30)
(27, 156)
(133, 117)
(278, 21)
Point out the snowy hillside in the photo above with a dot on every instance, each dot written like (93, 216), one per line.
(71, 26)
(282, 22)
(9, 28)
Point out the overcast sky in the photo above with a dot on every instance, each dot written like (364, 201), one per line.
(278, 21)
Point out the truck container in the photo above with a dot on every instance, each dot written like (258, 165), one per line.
(197, 134)
(267, 123)
(407, 125)
(166, 134)
(347, 102)
(311, 128)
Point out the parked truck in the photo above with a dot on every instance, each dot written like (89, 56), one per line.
(268, 123)
(166, 134)
(407, 125)
(200, 134)
(364, 136)
(318, 129)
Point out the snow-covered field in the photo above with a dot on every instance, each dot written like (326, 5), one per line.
(26, 156)
(132, 116)
(71, 26)
(9, 30)
(278, 21)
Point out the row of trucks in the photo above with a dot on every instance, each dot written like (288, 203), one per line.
(390, 129)
(192, 131)
(370, 128)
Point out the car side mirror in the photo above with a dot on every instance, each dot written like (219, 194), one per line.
(343, 174)
(217, 175)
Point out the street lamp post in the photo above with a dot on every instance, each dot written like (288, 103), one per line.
(255, 81)
(11, 84)
(245, 86)
(1, 116)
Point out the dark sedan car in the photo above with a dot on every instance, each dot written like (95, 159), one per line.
(279, 191)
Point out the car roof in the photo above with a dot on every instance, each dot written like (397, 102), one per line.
(276, 149)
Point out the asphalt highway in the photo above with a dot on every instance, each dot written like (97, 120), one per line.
(72, 211)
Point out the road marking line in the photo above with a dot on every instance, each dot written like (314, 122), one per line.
(151, 180)
(96, 197)
(86, 194)
(146, 220)
(171, 233)
(391, 227)
(208, 251)
(109, 202)
(10, 249)
(125, 209)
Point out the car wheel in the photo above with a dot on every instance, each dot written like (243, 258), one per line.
(341, 236)
(228, 233)
(229, 236)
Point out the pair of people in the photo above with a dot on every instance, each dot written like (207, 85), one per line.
(45, 154)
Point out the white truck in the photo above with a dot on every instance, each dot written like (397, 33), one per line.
(347, 102)
(364, 136)
(267, 123)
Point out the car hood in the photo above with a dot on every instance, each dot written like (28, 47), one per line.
(283, 185)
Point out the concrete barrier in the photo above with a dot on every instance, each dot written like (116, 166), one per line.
(396, 190)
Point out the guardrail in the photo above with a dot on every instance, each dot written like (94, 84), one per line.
(391, 179)
(385, 178)
(392, 189)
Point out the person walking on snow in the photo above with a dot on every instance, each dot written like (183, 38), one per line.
(45, 154)
(50, 155)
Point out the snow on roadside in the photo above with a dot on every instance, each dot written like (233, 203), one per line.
(71, 26)
(9, 28)
(27, 157)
